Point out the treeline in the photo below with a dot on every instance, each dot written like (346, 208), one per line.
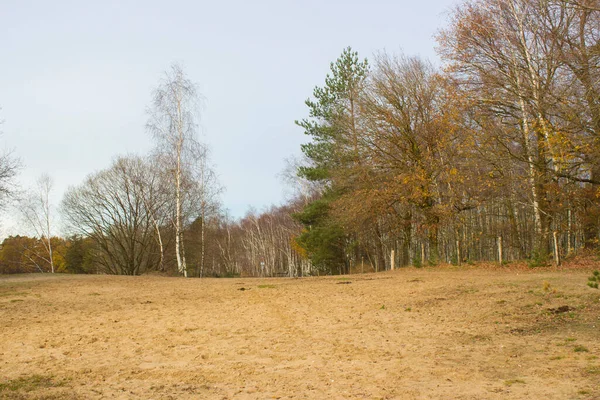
(495, 156)
(23, 254)
(256, 245)
(162, 211)
(158, 212)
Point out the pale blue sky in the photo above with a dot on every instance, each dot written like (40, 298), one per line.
(76, 77)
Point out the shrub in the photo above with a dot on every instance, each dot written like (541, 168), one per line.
(594, 280)
(416, 262)
(537, 260)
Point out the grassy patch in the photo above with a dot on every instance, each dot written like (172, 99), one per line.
(580, 349)
(594, 280)
(29, 383)
(511, 382)
(267, 286)
(593, 370)
(13, 294)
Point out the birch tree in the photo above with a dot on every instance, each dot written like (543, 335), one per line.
(173, 122)
(575, 28)
(206, 196)
(496, 55)
(35, 210)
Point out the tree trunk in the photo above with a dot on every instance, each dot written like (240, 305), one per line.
(556, 249)
(500, 259)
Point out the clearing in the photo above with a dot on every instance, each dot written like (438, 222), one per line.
(438, 333)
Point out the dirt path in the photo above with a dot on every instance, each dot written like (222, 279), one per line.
(409, 334)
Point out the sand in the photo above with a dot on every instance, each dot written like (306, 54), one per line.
(436, 333)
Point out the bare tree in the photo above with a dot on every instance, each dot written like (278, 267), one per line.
(173, 122)
(9, 167)
(297, 186)
(496, 52)
(588, 5)
(111, 208)
(35, 209)
(207, 190)
(157, 198)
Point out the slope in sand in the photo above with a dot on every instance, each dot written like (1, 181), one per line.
(433, 333)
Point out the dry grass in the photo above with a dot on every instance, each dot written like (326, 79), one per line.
(459, 333)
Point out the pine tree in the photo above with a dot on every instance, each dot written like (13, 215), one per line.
(332, 129)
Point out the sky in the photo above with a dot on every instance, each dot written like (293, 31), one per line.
(76, 78)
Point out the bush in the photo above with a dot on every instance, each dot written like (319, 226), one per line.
(537, 260)
(416, 262)
(454, 260)
(594, 280)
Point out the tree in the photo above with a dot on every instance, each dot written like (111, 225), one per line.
(322, 238)
(575, 29)
(586, 5)
(157, 197)
(16, 255)
(35, 209)
(79, 255)
(496, 55)
(9, 168)
(110, 208)
(409, 164)
(23, 254)
(298, 186)
(206, 195)
(332, 116)
(333, 131)
(173, 122)
(532, 68)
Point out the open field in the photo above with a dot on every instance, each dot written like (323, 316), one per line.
(445, 333)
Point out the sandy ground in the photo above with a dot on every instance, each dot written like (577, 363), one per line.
(447, 333)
